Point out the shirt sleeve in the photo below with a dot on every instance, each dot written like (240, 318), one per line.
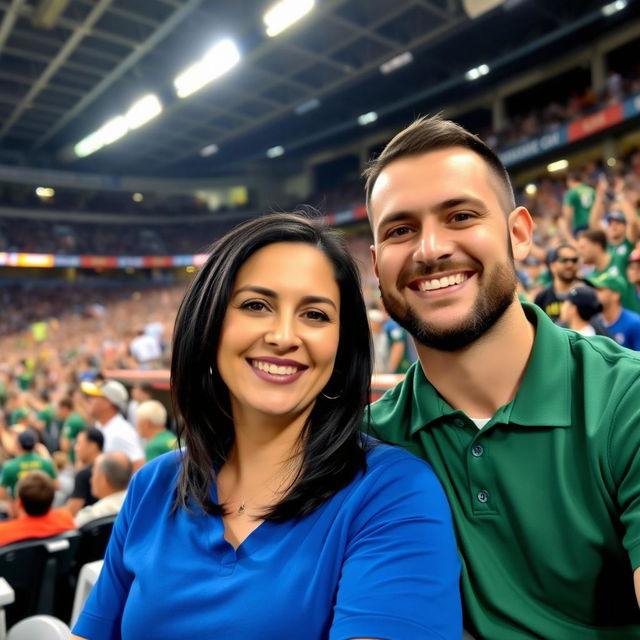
(81, 486)
(102, 614)
(400, 577)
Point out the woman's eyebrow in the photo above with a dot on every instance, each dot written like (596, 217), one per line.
(263, 291)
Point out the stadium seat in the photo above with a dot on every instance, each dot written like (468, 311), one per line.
(93, 541)
(37, 570)
(40, 628)
(87, 578)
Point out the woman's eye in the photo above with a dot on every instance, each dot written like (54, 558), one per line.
(314, 314)
(254, 305)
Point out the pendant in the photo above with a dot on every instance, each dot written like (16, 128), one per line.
(241, 509)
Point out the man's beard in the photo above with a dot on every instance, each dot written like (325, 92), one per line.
(567, 278)
(490, 306)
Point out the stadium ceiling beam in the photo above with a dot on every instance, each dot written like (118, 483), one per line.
(55, 64)
(9, 20)
(134, 17)
(137, 54)
(450, 23)
(429, 6)
(369, 32)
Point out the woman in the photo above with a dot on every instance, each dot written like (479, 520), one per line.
(278, 520)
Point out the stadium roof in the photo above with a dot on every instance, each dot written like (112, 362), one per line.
(69, 66)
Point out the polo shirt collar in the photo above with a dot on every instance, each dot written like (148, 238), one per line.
(544, 396)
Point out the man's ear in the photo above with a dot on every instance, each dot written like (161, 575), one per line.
(520, 225)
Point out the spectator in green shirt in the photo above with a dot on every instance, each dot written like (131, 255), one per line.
(578, 201)
(72, 425)
(151, 422)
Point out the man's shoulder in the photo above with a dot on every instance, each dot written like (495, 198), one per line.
(602, 356)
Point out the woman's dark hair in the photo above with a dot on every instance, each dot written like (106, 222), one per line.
(331, 444)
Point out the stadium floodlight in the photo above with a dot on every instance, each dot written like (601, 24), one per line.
(367, 118)
(613, 7)
(275, 152)
(284, 13)
(45, 192)
(558, 165)
(209, 150)
(143, 110)
(90, 144)
(531, 189)
(113, 130)
(396, 62)
(137, 197)
(611, 162)
(477, 72)
(307, 106)
(222, 57)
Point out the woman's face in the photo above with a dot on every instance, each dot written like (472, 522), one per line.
(280, 333)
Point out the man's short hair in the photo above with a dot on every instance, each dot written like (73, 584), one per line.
(67, 403)
(116, 468)
(553, 254)
(92, 434)
(35, 491)
(433, 133)
(154, 411)
(596, 236)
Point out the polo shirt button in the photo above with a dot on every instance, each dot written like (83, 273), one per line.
(459, 422)
(483, 496)
(477, 450)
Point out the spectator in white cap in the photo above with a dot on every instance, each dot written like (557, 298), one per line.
(107, 403)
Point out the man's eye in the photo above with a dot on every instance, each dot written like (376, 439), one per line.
(463, 216)
(398, 231)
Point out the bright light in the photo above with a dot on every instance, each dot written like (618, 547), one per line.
(284, 13)
(613, 7)
(395, 63)
(209, 150)
(45, 192)
(216, 62)
(137, 197)
(113, 130)
(477, 72)
(142, 111)
(309, 105)
(275, 152)
(531, 189)
(611, 162)
(558, 165)
(367, 118)
(90, 144)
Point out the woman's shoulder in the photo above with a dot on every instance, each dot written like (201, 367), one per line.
(384, 456)
(159, 472)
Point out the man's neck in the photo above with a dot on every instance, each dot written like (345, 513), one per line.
(612, 313)
(484, 376)
(578, 324)
(603, 261)
(563, 286)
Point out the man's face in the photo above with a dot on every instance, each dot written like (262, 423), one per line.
(444, 247)
(99, 486)
(616, 231)
(98, 406)
(633, 273)
(565, 267)
(589, 251)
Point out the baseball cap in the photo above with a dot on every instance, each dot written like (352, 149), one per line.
(114, 391)
(27, 440)
(634, 256)
(586, 300)
(616, 216)
(20, 413)
(609, 281)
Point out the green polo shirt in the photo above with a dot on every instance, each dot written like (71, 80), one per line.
(546, 497)
(162, 442)
(20, 466)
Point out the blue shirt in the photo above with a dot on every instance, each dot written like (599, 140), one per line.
(626, 329)
(376, 560)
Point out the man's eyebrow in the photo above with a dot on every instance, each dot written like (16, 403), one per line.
(452, 203)
(268, 293)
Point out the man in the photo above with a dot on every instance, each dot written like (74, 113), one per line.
(109, 482)
(592, 246)
(89, 445)
(622, 324)
(563, 264)
(72, 425)
(107, 403)
(532, 429)
(151, 422)
(616, 215)
(140, 392)
(25, 462)
(35, 519)
(633, 273)
(578, 201)
(579, 309)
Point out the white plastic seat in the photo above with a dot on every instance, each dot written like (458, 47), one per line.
(40, 627)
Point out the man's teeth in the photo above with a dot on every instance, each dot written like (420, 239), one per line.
(440, 283)
(274, 369)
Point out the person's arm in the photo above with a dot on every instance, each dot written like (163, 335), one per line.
(73, 505)
(636, 582)
(565, 221)
(598, 209)
(631, 216)
(395, 355)
(400, 573)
